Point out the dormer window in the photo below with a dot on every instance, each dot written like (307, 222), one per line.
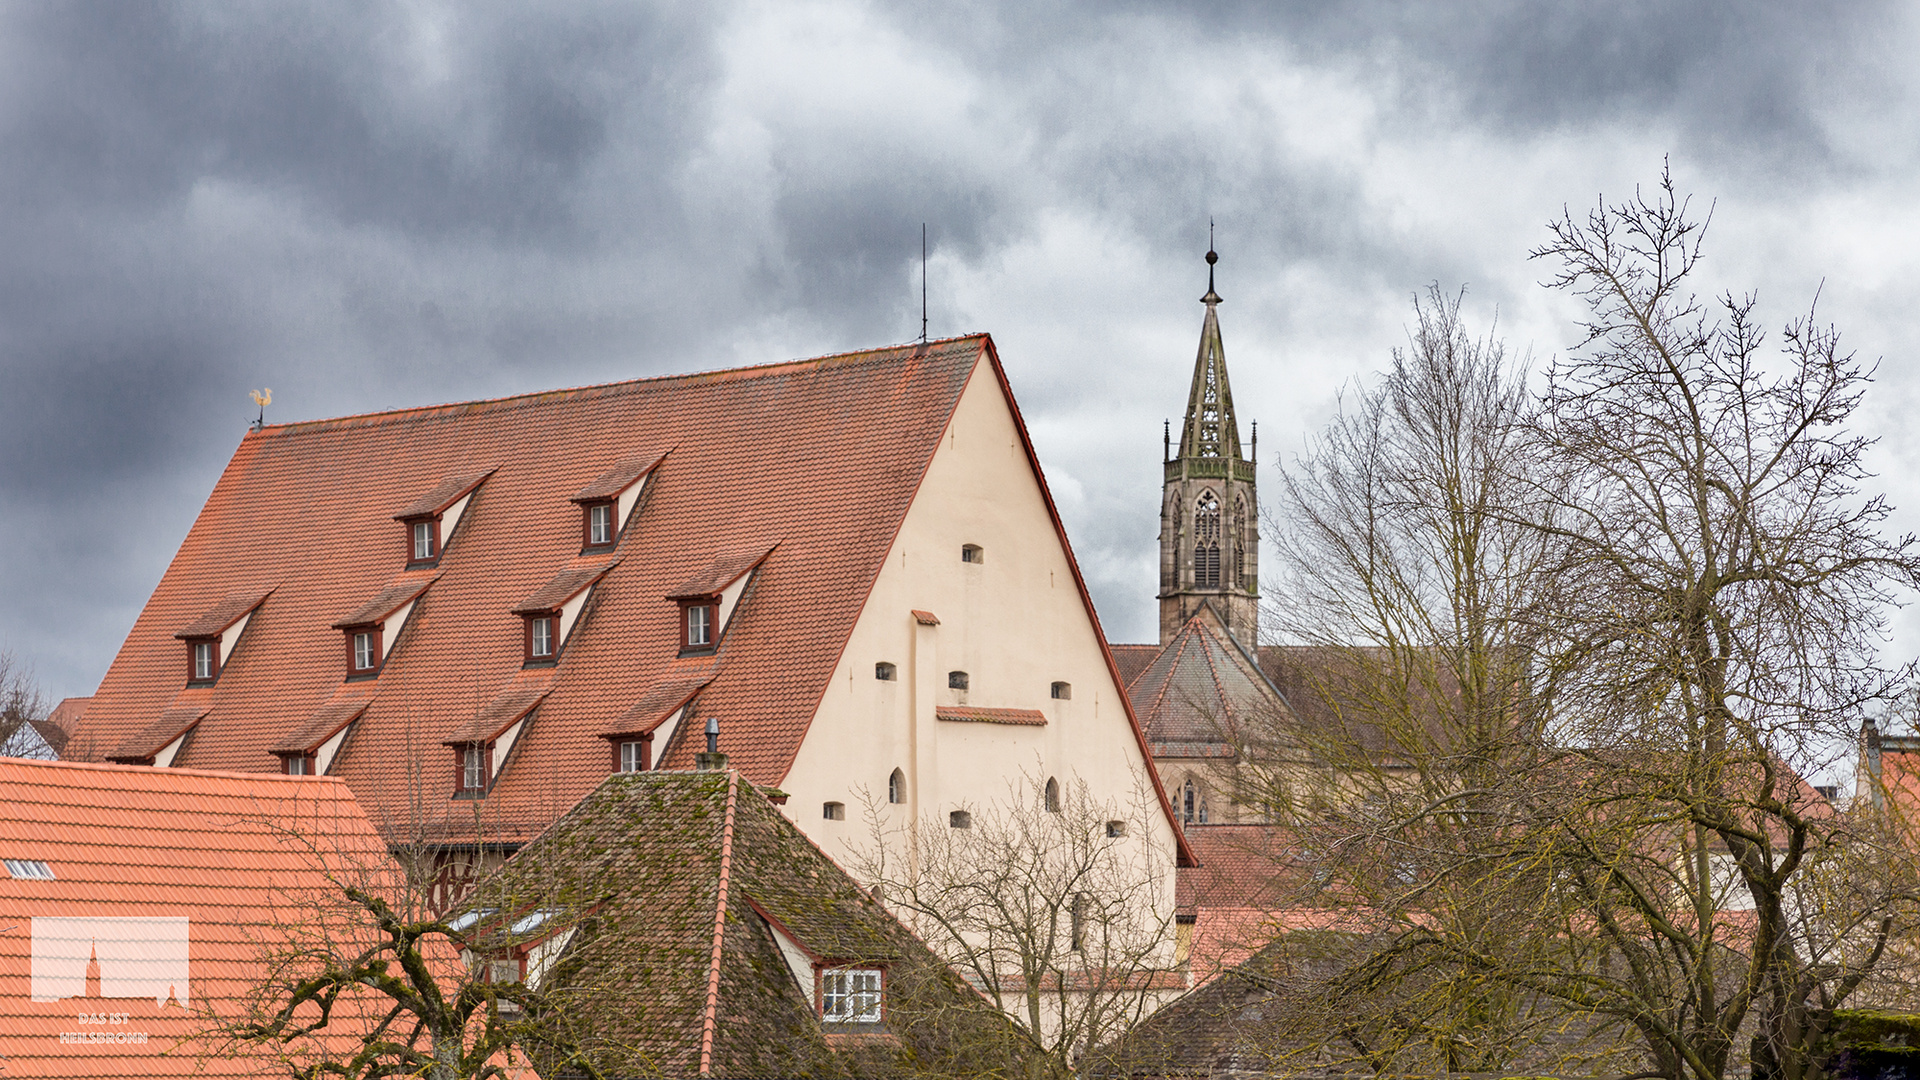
(211, 638)
(298, 765)
(483, 746)
(632, 755)
(598, 520)
(203, 661)
(852, 996)
(431, 519)
(540, 637)
(696, 626)
(473, 767)
(363, 651)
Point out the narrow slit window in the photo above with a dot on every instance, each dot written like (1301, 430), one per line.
(1062, 691)
(972, 553)
(885, 672)
(1053, 796)
(897, 787)
(834, 811)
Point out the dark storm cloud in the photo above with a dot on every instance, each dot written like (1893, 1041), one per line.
(376, 204)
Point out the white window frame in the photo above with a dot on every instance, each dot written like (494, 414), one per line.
(473, 767)
(599, 524)
(364, 650)
(203, 660)
(541, 637)
(699, 618)
(633, 755)
(853, 995)
(423, 546)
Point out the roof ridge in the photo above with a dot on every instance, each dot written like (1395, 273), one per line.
(711, 1010)
(148, 770)
(745, 371)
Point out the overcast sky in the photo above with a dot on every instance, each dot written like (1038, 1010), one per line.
(395, 204)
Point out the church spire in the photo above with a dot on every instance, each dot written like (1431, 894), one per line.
(1210, 430)
(1209, 507)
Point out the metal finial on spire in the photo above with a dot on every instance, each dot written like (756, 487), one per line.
(1212, 257)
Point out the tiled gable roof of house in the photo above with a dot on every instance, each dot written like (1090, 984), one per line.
(811, 464)
(691, 876)
(186, 874)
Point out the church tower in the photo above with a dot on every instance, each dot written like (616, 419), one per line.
(1209, 511)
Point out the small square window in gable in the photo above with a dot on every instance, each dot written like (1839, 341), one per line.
(607, 504)
(431, 519)
(211, 639)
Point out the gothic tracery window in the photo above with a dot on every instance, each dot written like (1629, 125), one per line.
(1242, 539)
(1206, 542)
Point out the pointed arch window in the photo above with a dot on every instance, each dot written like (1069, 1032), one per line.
(1053, 796)
(1187, 803)
(1206, 542)
(897, 787)
(1242, 539)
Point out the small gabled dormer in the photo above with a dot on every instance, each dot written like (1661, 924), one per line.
(211, 638)
(640, 738)
(371, 629)
(607, 503)
(707, 600)
(482, 746)
(310, 750)
(547, 617)
(432, 518)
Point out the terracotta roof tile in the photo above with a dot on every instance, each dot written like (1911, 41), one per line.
(444, 494)
(723, 571)
(564, 586)
(506, 709)
(975, 715)
(1192, 697)
(925, 618)
(823, 456)
(619, 478)
(209, 851)
(659, 702)
(324, 724)
(388, 600)
(224, 614)
(151, 739)
(1132, 660)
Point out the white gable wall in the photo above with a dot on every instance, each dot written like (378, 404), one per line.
(1015, 622)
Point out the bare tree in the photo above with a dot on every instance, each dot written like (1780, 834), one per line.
(21, 703)
(1054, 904)
(1579, 657)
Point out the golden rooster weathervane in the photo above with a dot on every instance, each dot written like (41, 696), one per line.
(263, 398)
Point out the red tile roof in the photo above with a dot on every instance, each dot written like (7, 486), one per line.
(659, 702)
(723, 571)
(153, 738)
(511, 705)
(444, 494)
(388, 600)
(618, 479)
(925, 618)
(224, 614)
(324, 724)
(153, 860)
(1132, 660)
(565, 585)
(971, 714)
(820, 456)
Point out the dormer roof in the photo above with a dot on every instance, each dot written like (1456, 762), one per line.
(388, 600)
(145, 743)
(324, 724)
(661, 701)
(507, 708)
(619, 478)
(444, 494)
(725, 569)
(564, 586)
(236, 606)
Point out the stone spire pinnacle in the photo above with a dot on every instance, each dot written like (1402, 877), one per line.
(1210, 430)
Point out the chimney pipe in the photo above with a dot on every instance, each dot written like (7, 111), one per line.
(713, 760)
